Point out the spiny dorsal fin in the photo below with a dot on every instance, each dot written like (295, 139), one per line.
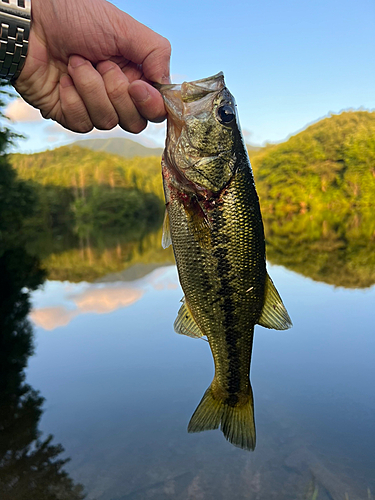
(274, 315)
(185, 323)
(166, 239)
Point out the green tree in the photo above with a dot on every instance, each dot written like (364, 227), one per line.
(30, 467)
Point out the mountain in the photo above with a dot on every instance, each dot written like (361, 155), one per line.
(316, 190)
(78, 168)
(330, 163)
(128, 148)
(317, 193)
(118, 146)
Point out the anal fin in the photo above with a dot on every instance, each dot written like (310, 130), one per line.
(185, 323)
(274, 315)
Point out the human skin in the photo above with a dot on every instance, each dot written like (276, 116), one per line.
(91, 65)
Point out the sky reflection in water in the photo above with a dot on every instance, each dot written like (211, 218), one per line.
(121, 386)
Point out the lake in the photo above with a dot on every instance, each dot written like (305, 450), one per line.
(120, 387)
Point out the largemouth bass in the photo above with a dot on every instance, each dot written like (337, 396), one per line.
(214, 223)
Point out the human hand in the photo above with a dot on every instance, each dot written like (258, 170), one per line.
(89, 64)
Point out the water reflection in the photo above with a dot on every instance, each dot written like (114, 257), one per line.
(94, 258)
(332, 247)
(335, 247)
(67, 301)
(122, 385)
(30, 465)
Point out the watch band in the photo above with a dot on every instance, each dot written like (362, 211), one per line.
(15, 19)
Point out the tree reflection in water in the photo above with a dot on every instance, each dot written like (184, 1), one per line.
(331, 246)
(30, 467)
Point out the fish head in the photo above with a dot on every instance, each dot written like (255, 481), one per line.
(203, 132)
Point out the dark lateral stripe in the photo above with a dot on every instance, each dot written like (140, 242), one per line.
(226, 291)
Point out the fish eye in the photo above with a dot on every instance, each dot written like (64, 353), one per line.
(225, 114)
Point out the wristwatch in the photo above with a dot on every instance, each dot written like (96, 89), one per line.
(15, 19)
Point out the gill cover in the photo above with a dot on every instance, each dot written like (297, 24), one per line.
(202, 133)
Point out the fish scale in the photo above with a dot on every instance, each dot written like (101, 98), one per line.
(215, 226)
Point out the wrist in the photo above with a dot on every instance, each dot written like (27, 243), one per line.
(15, 19)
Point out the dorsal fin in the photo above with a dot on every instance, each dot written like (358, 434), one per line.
(274, 315)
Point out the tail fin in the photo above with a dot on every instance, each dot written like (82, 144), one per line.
(236, 422)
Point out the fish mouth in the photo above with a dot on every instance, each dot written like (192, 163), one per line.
(183, 101)
(177, 95)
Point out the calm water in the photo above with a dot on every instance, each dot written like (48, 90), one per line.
(120, 387)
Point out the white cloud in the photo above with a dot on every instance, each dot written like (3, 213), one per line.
(19, 111)
(50, 318)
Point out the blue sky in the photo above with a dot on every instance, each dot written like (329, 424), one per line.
(288, 63)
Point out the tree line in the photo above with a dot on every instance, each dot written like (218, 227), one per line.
(329, 165)
(316, 192)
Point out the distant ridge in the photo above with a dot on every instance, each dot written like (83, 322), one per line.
(128, 148)
(118, 146)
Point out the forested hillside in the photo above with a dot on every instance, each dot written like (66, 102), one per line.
(317, 193)
(89, 192)
(330, 163)
(79, 168)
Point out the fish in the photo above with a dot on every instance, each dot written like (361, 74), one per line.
(214, 223)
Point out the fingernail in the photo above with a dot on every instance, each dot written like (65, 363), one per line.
(139, 93)
(76, 61)
(65, 81)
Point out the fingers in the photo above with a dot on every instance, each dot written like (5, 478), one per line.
(74, 113)
(148, 101)
(91, 89)
(117, 88)
(102, 97)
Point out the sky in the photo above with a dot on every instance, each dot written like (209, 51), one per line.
(288, 63)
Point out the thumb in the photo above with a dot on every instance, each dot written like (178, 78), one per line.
(156, 64)
(141, 45)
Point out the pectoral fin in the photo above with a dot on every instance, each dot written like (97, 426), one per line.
(274, 315)
(198, 222)
(166, 239)
(185, 323)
